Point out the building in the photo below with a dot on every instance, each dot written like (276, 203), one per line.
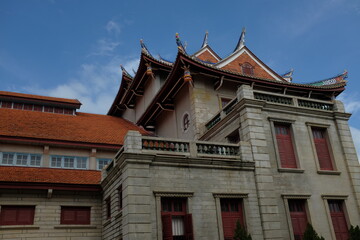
(211, 141)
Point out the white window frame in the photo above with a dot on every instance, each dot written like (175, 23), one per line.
(14, 160)
(102, 159)
(76, 158)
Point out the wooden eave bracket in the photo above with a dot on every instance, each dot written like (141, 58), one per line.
(218, 84)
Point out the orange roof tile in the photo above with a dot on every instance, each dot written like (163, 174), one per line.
(82, 127)
(38, 97)
(49, 175)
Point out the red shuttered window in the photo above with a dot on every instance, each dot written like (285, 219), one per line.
(322, 149)
(231, 212)
(338, 219)
(17, 215)
(75, 215)
(176, 223)
(298, 217)
(247, 69)
(108, 208)
(285, 146)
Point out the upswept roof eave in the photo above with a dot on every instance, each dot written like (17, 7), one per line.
(212, 68)
(161, 91)
(113, 108)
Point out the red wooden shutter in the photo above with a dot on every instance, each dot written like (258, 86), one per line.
(231, 213)
(83, 215)
(298, 218)
(17, 215)
(338, 219)
(167, 226)
(75, 215)
(285, 146)
(189, 231)
(322, 149)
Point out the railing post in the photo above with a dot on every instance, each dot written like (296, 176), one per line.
(338, 106)
(244, 91)
(193, 149)
(132, 142)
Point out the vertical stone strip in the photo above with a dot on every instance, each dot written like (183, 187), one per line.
(136, 219)
(252, 131)
(350, 156)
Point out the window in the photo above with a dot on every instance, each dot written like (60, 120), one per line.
(231, 212)
(17, 215)
(6, 104)
(18, 106)
(224, 102)
(234, 137)
(58, 110)
(285, 146)
(108, 208)
(28, 107)
(186, 122)
(322, 149)
(338, 219)
(247, 69)
(38, 108)
(177, 224)
(120, 197)
(102, 162)
(68, 162)
(48, 109)
(75, 215)
(68, 111)
(298, 217)
(20, 159)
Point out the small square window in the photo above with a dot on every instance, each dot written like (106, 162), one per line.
(81, 162)
(69, 162)
(7, 158)
(21, 159)
(35, 160)
(102, 162)
(75, 215)
(56, 162)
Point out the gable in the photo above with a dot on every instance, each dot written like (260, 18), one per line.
(207, 56)
(235, 62)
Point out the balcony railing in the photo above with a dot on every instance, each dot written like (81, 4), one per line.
(195, 148)
(273, 98)
(315, 105)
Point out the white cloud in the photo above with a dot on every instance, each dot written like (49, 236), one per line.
(104, 47)
(113, 27)
(351, 102)
(95, 85)
(356, 137)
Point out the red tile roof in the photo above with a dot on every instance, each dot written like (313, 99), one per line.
(80, 128)
(37, 97)
(49, 175)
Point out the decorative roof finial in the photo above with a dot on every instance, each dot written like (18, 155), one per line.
(179, 43)
(143, 47)
(241, 42)
(205, 42)
(288, 75)
(125, 72)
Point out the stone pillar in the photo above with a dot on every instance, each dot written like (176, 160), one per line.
(92, 159)
(252, 131)
(132, 142)
(46, 157)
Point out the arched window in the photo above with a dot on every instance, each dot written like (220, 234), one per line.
(247, 69)
(186, 122)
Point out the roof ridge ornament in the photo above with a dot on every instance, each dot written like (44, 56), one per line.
(125, 72)
(205, 42)
(144, 49)
(241, 42)
(333, 80)
(181, 47)
(288, 75)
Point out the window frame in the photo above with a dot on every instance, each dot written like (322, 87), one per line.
(247, 65)
(15, 159)
(286, 198)
(342, 198)
(291, 124)
(102, 159)
(62, 161)
(185, 128)
(245, 210)
(76, 210)
(108, 208)
(329, 143)
(17, 220)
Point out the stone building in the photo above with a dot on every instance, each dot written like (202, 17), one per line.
(225, 140)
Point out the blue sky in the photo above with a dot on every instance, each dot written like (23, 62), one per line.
(73, 48)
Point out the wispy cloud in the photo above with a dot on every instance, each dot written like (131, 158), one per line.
(94, 85)
(104, 47)
(113, 27)
(351, 102)
(355, 132)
